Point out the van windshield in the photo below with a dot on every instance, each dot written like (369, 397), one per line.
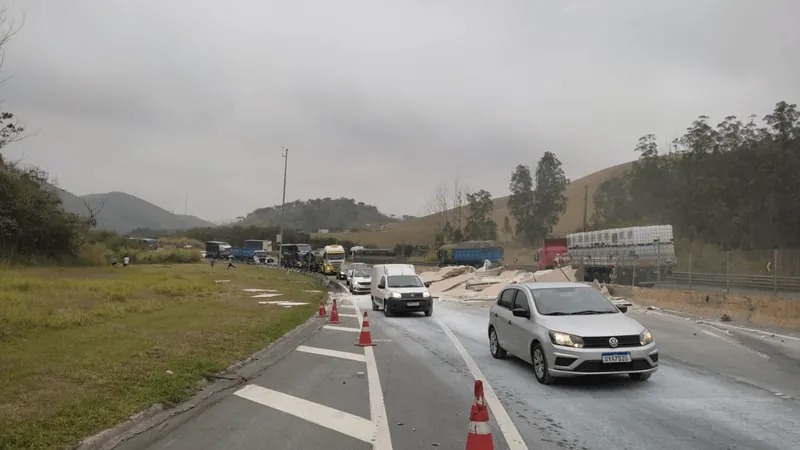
(405, 281)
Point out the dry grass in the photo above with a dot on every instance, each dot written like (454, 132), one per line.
(754, 309)
(422, 231)
(81, 349)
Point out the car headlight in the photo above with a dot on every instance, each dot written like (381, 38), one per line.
(426, 294)
(396, 295)
(645, 337)
(566, 340)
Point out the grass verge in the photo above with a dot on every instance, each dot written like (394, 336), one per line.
(81, 349)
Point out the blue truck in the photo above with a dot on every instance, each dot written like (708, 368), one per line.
(249, 255)
(470, 253)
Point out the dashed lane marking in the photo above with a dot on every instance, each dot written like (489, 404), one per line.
(507, 427)
(337, 328)
(348, 315)
(332, 419)
(334, 353)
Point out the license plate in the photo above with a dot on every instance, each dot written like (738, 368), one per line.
(616, 357)
(412, 304)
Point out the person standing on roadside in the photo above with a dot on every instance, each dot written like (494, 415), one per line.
(113, 261)
(125, 261)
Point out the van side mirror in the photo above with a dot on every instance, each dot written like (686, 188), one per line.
(521, 312)
(381, 286)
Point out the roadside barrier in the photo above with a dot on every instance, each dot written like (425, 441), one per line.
(365, 338)
(334, 314)
(480, 432)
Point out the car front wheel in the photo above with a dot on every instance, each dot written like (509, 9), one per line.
(494, 345)
(540, 365)
(639, 376)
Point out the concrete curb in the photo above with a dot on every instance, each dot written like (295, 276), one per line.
(153, 416)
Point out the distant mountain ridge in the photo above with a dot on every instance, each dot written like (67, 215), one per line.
(123, 212)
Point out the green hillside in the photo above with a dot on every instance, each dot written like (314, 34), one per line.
(123, 212)
(326, 213)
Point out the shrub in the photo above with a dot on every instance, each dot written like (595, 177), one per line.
(167, 256)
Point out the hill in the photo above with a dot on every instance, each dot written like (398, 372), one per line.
(320, 213)
(422, 231)
(123, 212)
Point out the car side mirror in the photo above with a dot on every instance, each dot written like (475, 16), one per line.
(521, 312)
(622, 309)
(381, 286)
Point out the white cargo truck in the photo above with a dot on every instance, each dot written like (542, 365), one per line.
(633, 255)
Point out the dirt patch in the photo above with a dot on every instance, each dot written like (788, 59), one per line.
(757, 310)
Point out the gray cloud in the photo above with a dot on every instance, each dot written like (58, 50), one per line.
(377, 100)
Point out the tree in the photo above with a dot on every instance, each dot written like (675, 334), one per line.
(520, 202)
(549, 201)
(440, 205)
(480, 225)
(507, 230)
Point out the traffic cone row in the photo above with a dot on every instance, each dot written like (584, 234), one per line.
(322, 311)
(480, 432)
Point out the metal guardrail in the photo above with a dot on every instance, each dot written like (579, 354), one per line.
(760, 282)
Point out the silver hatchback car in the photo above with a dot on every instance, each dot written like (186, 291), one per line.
(569, 329)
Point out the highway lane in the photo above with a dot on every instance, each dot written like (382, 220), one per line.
(716, 388)
(713, 390)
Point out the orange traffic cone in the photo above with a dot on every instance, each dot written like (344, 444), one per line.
(322, 312)
(480, 433)
(365, 338)
(334, 314)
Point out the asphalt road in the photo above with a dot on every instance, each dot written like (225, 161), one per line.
(718, 387)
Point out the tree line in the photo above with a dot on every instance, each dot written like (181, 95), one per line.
(535, 205)
(734, 185)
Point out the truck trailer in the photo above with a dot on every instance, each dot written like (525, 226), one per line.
(633, 255)
(470, 253)
(218, 249)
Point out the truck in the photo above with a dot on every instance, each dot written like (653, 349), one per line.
(639, 256)
(249, 255)
(333, 256)
(552, 253)
(218, 249)
(258, 245)
(294, 255)
(373, 255)
(470, 253)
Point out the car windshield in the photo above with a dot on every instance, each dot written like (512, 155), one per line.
(405, 281)
(362, 273)
(568, 301)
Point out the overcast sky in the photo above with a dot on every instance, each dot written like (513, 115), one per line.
(377, 100)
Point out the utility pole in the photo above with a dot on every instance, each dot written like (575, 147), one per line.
(285, 156)
(585, 204)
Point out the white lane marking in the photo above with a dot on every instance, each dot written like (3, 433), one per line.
(344, 305)
(377, 405)
(334, 353)
(338, 328)
(507, 427)
(332, 419)
(349, 315)
(735, 343)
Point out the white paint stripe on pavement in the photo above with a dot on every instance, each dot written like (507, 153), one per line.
(377, 405)
(332, 419)
(349, 315)
(345, 305)
(507, 427)
(334, 353)
(338, 328)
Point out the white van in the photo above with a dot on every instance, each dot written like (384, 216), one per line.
(398, 288)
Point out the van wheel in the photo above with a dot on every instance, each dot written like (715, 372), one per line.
(386, 311)
(429, 311)
(374, 304)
